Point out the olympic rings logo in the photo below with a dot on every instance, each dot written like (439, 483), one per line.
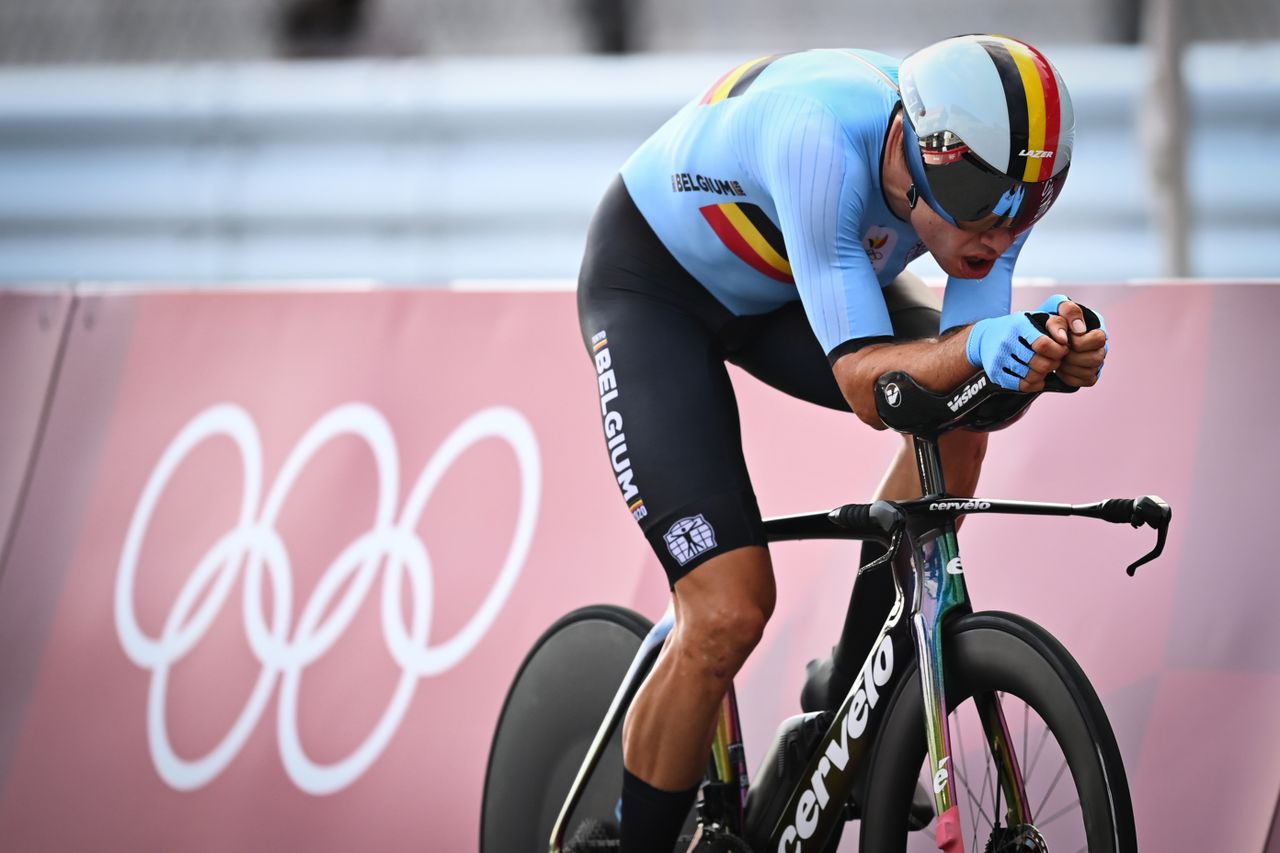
(253, 548)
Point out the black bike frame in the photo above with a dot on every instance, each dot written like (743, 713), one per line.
(930, 592)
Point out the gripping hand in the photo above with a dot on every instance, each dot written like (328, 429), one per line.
(1089, 341)
(1013, 351)
(1092, 319)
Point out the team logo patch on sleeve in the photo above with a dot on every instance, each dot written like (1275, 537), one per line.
(690, 537)
(879, 243)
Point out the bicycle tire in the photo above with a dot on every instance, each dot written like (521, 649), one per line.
(1005, 653)
(551, 713)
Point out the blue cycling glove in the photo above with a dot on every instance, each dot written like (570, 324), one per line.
(1050, 305)
(1002, 347)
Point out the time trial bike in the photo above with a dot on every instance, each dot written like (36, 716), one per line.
(984, 713)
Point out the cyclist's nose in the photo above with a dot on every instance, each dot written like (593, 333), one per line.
(997, 240)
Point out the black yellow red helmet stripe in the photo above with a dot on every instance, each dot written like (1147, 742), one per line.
(1034, 106)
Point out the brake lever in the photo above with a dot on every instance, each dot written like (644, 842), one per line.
(886, 557)
(891, 520)
(1152, 511)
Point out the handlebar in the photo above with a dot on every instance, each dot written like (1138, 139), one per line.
(886, 521)
(978, 403)
(1150, 510)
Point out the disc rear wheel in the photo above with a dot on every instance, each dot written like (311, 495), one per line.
(556, 703)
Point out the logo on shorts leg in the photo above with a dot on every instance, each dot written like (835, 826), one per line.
(607, 381)
(690, 537)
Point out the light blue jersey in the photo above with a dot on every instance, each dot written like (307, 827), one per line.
(767, 190)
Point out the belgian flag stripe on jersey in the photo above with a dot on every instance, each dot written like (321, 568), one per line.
(751, 235)
(751, 75)
(771, 233)
(1035, 114)
(737, 80)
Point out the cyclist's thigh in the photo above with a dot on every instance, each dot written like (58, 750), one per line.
(670, 418)
(780, 348)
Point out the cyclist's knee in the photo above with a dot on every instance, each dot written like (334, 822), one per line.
(972, 444)
(729, 629)
(723, 611)
(718, 639)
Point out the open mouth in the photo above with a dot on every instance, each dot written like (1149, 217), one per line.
(975, 266)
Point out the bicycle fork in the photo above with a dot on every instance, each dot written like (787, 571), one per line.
(931, 563)
(943, 595)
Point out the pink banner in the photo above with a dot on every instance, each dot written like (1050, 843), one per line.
(203, 647)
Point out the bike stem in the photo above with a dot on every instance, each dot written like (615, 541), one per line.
(929, 465)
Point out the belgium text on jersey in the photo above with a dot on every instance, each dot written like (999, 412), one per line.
(683, 182)
(607, 381)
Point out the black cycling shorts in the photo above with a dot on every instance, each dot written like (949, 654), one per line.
(659, 342)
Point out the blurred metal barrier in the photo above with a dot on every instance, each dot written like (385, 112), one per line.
(466, 168)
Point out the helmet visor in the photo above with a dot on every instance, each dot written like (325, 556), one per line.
(980, 198)
(972, 195)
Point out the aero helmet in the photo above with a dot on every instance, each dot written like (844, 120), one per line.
(988, 129)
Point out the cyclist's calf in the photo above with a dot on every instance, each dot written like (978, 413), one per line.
(721, 610)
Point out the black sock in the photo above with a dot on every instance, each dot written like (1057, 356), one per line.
(651, 818)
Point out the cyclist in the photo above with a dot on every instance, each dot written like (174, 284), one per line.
(768, 224)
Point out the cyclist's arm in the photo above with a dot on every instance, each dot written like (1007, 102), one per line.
(938, 364)
(968, 300)
(816, 177)
(1011, 349)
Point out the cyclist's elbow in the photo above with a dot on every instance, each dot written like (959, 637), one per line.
(865, 408)
(857, 383)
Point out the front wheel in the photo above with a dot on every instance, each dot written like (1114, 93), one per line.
(556, 704)
(1074, 778)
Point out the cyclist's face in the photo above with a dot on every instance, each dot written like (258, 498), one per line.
(960, 252)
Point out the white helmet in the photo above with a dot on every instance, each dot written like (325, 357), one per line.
(988, 129)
